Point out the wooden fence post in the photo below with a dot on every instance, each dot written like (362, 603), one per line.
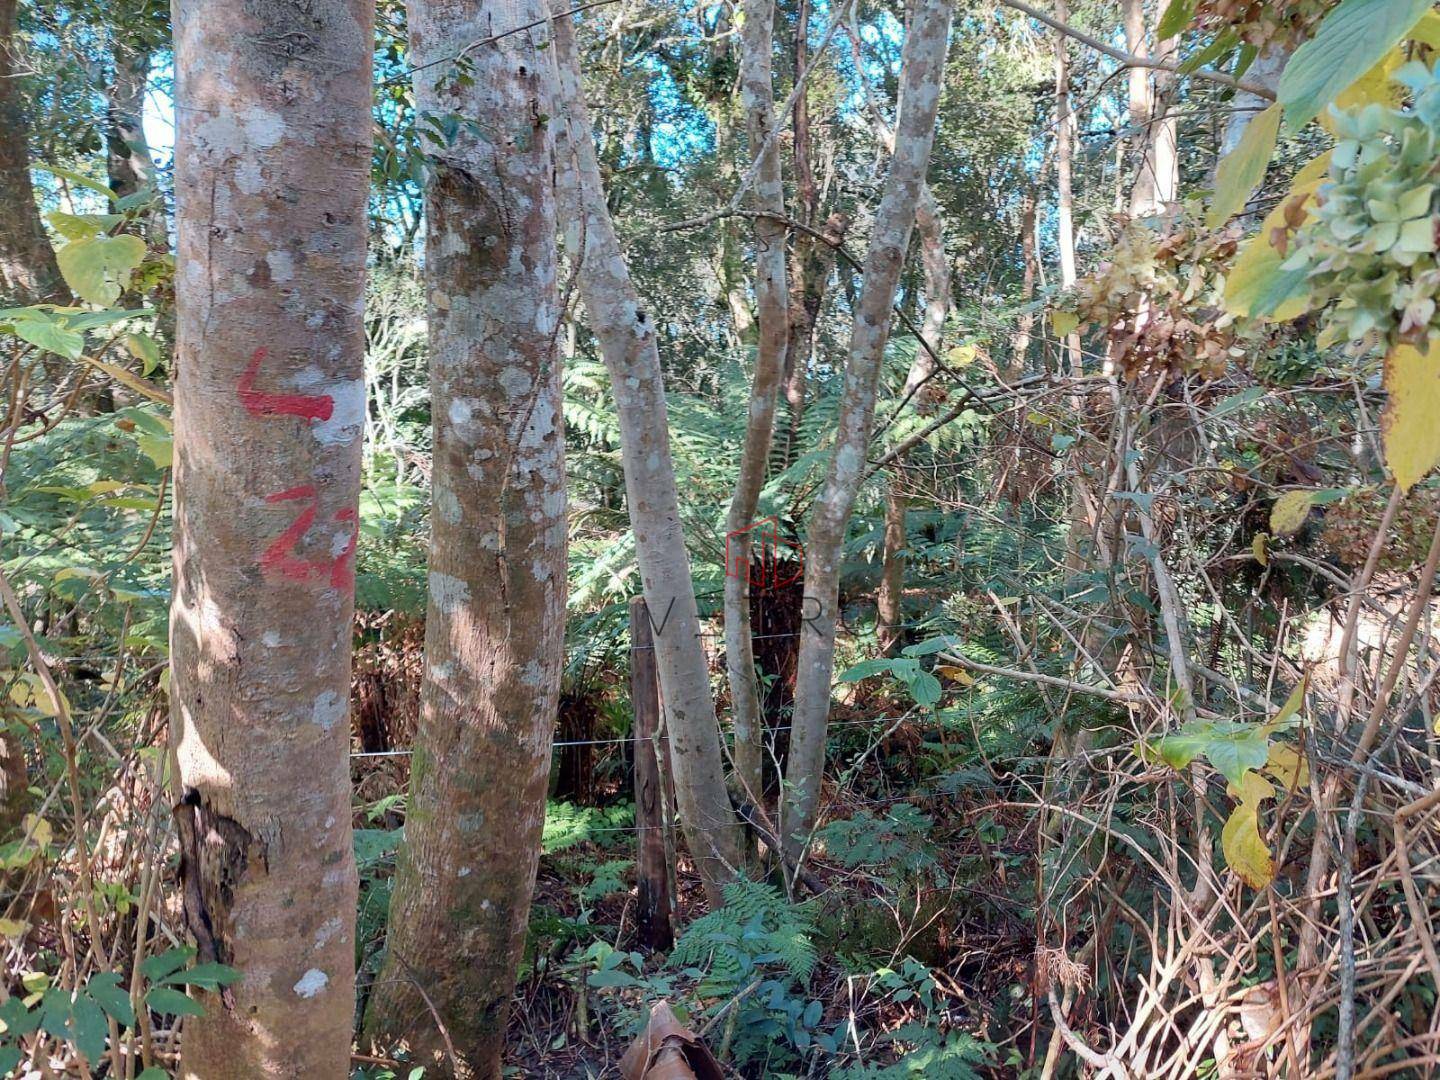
(651, 872)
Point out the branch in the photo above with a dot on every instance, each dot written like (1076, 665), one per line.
(1131, 60)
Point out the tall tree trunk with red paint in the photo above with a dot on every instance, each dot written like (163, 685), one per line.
(495, 625)
(272, 174)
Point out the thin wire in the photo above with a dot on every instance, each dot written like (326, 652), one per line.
(628, 739)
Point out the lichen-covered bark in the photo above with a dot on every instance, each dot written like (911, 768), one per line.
(495, 624)
(626, 333)
(272, 172)
(772, 310)
(28, 271)
(922, 69)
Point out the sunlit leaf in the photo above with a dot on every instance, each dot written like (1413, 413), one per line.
(1350, 40)
(1245, 852)
(1240, 172)
(1260, 548)
(1288, 766)
(98, 268)
(1290, 511)
(1408, 426)
(1257, 286)
(1064, 322)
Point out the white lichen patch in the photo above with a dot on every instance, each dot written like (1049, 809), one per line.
(311, 983)
(329, 709)
(448, 592)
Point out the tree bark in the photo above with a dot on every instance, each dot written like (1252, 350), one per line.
(128, 164)
(772, 315)
(272, 175)
(922, 71)
(495, 622)
(935, 265)
(1064, 170)
(28, 271)
(626, 334)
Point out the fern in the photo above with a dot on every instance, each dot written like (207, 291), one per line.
(757, 927)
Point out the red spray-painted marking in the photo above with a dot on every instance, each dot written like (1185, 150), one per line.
(259, 403)
(280, 558)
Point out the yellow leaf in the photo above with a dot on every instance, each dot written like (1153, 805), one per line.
(1064, 322)
(1256, 273)
(958, 674)
(37, 829)
(1408, 426)
(1290, 511)
(961, 356)
(1374, 87)
(1240, 172)
(13, 928)
(1288, 767)
(1260, 548)
(1427, 30)
(1293, 703)
(1245, 852)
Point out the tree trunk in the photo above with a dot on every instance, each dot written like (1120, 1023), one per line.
(272, 175)
(936, 267)
(1064, 170)
(626, 334)
(28, 271)
(495, 623)
(128, 164)
(772, 308)
(812, 266)
(1025, 323)
(921, 74)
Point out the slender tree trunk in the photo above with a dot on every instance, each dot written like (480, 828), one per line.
(495, 623)
(128, 164)
(269, 410)
(921, 76)
(812, 267)
(772, 308)
(935, 265)
(1143, 190)
(1064, 175)
(626, 333)
(1024, 325)
(28, 271)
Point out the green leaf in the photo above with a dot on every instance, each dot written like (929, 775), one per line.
(79, 226)
(1176, 18)
(9, 1057)
(106, 990)
(925, 689)
(145, 349)
(77, 178)
(1351, 39)
(867, 669)
(1230, 747)
(90, 1029)
(161, 964)
(1241, 172)
(16, 1019)
(49, 333)
(154, 1073)
(165, 1000)
(206, 976)
(98, 269)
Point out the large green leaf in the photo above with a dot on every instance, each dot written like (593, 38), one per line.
(48, 331)
(1350, 41)
(98, 268)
